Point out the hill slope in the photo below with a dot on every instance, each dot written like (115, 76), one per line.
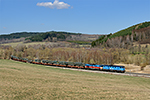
(52, 36)
(138, 33)
(18, 35)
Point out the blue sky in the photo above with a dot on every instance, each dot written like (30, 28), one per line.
(83, 16)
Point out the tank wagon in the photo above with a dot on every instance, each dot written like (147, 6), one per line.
(36, 61)
(78, 65)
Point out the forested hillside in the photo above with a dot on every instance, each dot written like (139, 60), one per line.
(139, 32)
(36, 36)
(51, 36)
(18, 35)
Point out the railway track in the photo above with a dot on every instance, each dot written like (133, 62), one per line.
(107, 72)
(138, 74)
(104, 72)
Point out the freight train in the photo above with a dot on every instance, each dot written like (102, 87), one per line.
(79, 65)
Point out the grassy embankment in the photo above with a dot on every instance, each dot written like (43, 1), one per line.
(27, 81)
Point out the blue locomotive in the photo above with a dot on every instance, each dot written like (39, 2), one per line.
(114, 68)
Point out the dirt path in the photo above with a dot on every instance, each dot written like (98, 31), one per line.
(135, 68)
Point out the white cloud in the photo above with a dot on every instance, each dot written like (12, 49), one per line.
(56, 4)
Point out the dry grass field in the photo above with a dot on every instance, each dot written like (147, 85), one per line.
(14, 44)
(34, 82)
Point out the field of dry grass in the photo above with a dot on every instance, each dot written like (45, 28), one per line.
(27, 81)
(14, 44)
(135, 68)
